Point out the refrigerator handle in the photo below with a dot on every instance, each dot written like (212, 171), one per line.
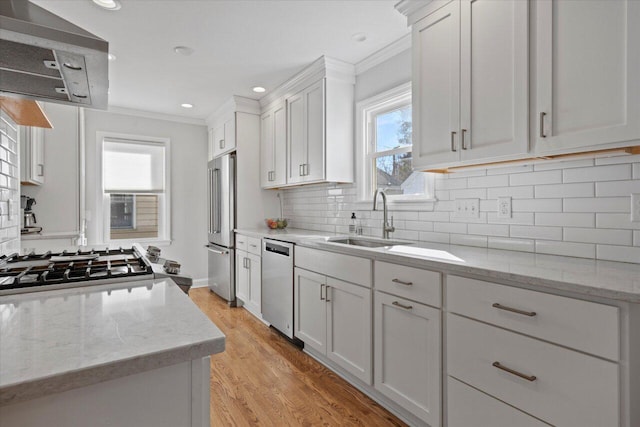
(215, 251)
(210, 199)
(218, 202)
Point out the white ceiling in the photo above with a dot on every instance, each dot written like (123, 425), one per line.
(237, 44)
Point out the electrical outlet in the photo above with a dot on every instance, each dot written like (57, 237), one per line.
(504, 207)
(467, 208)
(635, 208)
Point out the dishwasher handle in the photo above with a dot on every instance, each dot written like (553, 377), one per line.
(277, 249)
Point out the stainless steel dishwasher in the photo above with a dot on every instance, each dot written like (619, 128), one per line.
(277, 285)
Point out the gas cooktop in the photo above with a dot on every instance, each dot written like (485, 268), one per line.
(34, 272)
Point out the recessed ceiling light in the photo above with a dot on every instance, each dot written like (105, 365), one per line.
(259, 89)
(185, 105)
(111, 57)
(183, 50)
(359, 37)
(108, 4)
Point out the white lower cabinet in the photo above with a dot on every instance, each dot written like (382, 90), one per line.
(407, 355)
(249, 281)
(470, 407)
(333, 317)
(242, 276)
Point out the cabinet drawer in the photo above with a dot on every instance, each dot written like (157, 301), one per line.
(254, 245)
(412, 283)
(583, 325)
(345, 267)
(470, 407)
(566, 388)
(242, 242)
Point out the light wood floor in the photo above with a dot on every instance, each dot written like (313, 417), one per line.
(261, 379)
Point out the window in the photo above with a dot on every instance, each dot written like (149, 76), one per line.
(385, 148)
(135, 193)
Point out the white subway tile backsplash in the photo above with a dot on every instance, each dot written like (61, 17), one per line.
(536, 178)
(580, 250)
(617, 188)
(489, 181)
(600, 204)
(513, 192)
(543, 233)
(488, 229)
(511, 244)
(467, 240)
(575, 208)
(597, 173)
(565, 219)
(564, 190)
(604, 236)
(619, 253)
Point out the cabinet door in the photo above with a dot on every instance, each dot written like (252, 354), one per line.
(313, 169)
(407, 355)
(349, 332)
(279, 176)
(218, 140)
(310, 309)
(31, 155)
(211, 150)
(254, 303)
(242, 277)
(436, 87)
(588, 63)
(229, 143)
(494, 79)
(296, 138)
(266, 149)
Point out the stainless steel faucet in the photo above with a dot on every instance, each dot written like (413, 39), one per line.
(386, 227)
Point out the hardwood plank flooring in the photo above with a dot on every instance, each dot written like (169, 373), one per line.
(262, 379)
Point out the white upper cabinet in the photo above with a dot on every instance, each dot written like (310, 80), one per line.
(317, 127)
(470, 71)
(31, 155)
(224, 137)
(587, 84)
(273, 147)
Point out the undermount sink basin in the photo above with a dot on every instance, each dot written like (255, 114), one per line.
(368, 243)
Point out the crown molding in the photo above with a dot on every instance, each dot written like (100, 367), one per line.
(156, 116)
(235, 104)
(322, 67)
(389, 51)
(415, 10)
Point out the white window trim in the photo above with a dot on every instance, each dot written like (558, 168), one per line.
(388, 101)
(101, 201)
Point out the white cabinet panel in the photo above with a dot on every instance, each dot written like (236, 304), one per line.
(346, 267)
(310, 311)
(266, 149)
(349, 337)
(407, 355)
(224, 137)
(296, 138)
(254, 286)
(436, 87)
(588, 62)
(494, 78)
(242, 276)
(315, 119)
(273, 147)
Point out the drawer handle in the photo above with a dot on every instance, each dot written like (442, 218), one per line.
(406, 307)
(402, 282)
(512, 372)
(514, 310)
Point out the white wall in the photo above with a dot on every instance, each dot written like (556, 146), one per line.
(188, 182)
(387, 75)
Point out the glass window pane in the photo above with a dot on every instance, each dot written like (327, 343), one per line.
(134, 216)
(393, 129)
(395, 175)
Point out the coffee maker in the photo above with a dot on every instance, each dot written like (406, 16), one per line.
(28, 216)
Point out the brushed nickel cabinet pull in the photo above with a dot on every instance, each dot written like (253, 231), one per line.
(453, 142)
(321, 289)
(542, 114)
(326, 293)
(402, 282)
(406, 307)
(300, 171)
(512, 372)
(221, 143)
(464, 145)
(513, 310)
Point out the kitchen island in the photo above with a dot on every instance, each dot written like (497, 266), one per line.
(134, 353)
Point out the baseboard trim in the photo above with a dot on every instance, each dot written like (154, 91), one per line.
(200, 283)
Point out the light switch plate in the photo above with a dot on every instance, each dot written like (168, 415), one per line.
(467, 208)
(635, 208)
(504, 207)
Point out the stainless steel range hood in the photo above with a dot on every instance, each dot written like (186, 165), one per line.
(47, 58)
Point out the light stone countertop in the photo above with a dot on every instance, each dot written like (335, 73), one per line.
(605, 279)
(53, 341)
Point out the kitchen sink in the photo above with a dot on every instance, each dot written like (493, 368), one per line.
(368, 243)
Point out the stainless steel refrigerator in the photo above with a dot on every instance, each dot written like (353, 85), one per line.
(221, 191)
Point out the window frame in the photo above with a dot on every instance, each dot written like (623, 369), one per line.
(366, 111)
(103, 206)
